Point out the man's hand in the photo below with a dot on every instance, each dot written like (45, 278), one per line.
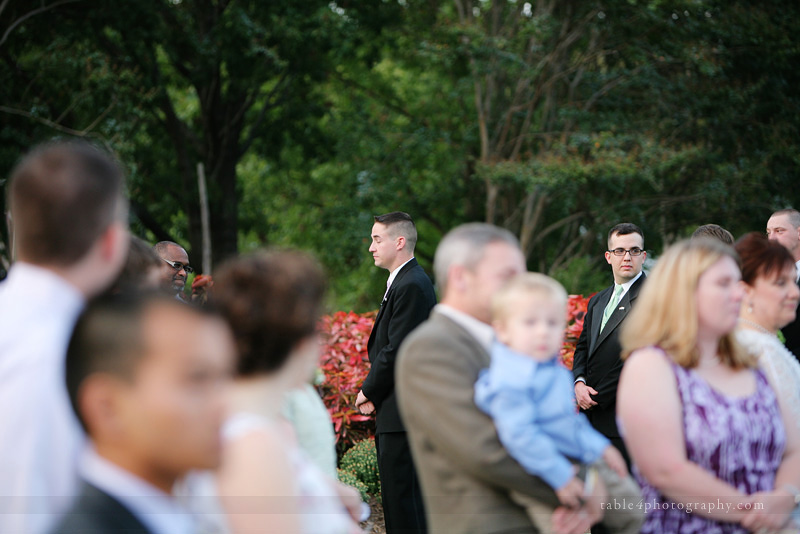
(571, 493)
(582, 392)
(579, 520)
(364, 405)
(615, 461)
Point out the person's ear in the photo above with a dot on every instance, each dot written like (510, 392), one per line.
(747, 288)
(500, 330)
(114, 241)
(456, 277)
(607, 255)
(401, 243)
(98, 403)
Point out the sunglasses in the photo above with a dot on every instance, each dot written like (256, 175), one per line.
(178, 266)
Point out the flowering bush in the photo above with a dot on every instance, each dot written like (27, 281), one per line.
(345, 365)
(577, 306)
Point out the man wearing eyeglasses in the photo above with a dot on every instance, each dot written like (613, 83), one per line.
(175, 267)
(597, 364)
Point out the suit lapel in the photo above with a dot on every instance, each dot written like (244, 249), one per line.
(623, 308)
(406, 268)
(602, 302)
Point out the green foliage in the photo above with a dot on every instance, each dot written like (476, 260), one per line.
(362, 461)
(553, 119)
(350, 478)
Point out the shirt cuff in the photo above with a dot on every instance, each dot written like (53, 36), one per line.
(579, 379)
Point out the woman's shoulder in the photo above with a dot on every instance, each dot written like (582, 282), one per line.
(647, 358)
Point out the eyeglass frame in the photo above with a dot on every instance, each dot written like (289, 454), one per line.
(627, 251)
(178, 266)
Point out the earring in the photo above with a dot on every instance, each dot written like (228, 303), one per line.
(750, 308)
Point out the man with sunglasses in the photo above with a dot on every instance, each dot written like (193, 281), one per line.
(175, 267)
(597, 364)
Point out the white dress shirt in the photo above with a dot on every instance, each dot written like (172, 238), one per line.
(40, 437)
(392, 276)
(481, 331)
(158, 511)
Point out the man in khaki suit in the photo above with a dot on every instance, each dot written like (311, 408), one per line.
(466, 474)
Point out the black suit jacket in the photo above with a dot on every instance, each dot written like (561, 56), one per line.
(597, 356)
(792, 334)
(96, 512)
(408, 303)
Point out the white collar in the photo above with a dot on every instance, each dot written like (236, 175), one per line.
(481, 331)
(43, 285)
(393, 275)
(158, 511)
(797, 271)
(627, 285)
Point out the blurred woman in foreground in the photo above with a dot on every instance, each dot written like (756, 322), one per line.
(701, 422)
(272, 302)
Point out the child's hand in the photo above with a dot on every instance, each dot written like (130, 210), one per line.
(571, 494)
(615, 461)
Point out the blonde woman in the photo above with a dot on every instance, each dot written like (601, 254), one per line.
(711, 449)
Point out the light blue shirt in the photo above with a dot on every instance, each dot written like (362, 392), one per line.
(532, 406)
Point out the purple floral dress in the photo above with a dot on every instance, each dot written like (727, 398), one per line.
(739, 439)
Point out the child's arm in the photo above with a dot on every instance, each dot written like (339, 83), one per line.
(514, 415)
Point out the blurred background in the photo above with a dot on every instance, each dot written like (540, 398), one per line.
(555, 119)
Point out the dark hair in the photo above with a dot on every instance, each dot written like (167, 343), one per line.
(141, 258)
(107, 338)
(62, 197)
(400, 223)
(714, 231)
(761, 257)
(272, 300)
(624, 229)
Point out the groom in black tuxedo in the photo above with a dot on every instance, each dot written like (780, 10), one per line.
(407, 302)
(597, 364)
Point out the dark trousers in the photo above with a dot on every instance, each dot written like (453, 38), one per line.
(402, 499)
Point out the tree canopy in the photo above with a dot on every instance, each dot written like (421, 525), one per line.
(555, 119)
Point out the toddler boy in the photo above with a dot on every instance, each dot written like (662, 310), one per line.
(529, 396)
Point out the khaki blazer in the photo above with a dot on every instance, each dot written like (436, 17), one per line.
(465, 473)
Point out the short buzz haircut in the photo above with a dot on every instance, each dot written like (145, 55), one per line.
(714, 231)
(161, 247)
(399, 223)
(505, 301)
(62, 197)
(465, 245)
(108, 338)
(794, 216)
(624, 229)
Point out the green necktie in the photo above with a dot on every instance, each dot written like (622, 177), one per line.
(612, 305)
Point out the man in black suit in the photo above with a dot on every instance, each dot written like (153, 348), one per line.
(146, 377)
(407, 302)
(784, 227)
(597, 364)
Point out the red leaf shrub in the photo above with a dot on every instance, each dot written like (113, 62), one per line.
(345, 365)
(577, 306)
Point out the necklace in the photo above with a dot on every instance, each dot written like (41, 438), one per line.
(757, 326)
